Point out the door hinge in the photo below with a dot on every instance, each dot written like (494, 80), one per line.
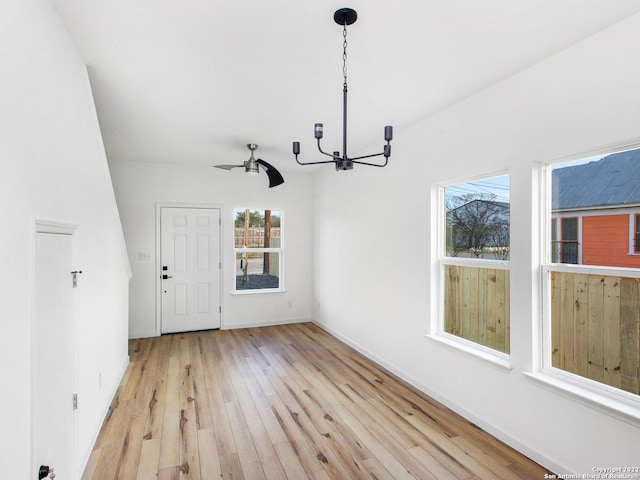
(74, 281)
(75, 401)
(220, 309)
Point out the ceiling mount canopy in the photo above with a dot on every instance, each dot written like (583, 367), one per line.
(344, 17)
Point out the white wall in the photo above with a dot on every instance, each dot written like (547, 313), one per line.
(140, 186)
(53, 167)
(376, 294)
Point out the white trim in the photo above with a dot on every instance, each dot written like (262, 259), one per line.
(435, 328)
(476, 262)
(599, 151)
(593, 269)
(589, 393)
(493, 357)
(610, 400)
(52, 227)
(158, 289)
(256, 291)
(280, 250)
(236, 326)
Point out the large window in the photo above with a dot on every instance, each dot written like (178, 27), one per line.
(592, 276)
(258, 250)
(474, 263)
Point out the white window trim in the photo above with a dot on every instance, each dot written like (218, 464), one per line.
(436, 330)
(610, 400)
(280, 250)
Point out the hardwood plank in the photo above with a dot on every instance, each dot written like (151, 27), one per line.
(170, 445)
(210, 466)
(149, 459)
(285, 402)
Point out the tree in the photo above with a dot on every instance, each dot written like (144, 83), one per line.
(476, 221)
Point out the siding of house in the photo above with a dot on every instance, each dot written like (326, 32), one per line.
(605, 241)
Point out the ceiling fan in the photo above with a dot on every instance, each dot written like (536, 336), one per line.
(252, 165)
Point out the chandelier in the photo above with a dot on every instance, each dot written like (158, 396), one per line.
(344, 17)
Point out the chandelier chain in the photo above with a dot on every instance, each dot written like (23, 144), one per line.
(344, 54)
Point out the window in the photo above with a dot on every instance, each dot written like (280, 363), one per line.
(636, 233)
(258, 250)
(592, 326)
(569, 242)
(474, 263)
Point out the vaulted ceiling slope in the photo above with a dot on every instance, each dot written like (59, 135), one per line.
(194, 82)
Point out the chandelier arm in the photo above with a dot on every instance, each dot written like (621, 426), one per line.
(313, 163)
(368, 156)
(327, 154)
(371, 164)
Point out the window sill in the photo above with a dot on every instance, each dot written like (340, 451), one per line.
(253, 291)
(488, 355)
(618, 404)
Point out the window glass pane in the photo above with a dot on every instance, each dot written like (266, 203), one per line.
(595, 332)
(478, 218)
(477, 305)
(239, 227)
(257, 270)
(569, 229)
(261, 230)
(594, 321)
(596, 200)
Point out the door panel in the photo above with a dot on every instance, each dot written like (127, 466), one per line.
(52, 355)
(190, 249)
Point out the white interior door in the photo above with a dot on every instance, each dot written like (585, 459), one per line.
(52, 356)
(190, 259)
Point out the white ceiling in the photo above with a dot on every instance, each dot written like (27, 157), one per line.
(194, 81)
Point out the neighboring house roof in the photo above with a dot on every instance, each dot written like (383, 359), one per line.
(611, 181)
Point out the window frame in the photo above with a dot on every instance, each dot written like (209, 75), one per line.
(245, 249)
(440, 260)
(635, 233)
(608, 399)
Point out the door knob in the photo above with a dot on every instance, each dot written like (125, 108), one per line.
(164, 277)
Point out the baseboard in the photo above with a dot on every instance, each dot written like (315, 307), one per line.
(135, 335)
(113, 390)
(514, 443)
(265, 324)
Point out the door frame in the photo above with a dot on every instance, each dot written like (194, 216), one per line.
(40, 226)
(159, 207)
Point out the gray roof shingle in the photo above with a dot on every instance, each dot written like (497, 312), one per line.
(612, 180)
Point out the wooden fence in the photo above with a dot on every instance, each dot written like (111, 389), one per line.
(256, 237)
(595, 326)
(476, 305)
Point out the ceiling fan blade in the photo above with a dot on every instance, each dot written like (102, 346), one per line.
(275, 178)
(228, 167)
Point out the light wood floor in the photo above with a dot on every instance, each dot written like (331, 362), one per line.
(286, 402)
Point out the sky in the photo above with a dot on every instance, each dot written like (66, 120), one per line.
(498, 186)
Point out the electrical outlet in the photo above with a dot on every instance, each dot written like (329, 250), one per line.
(289, 304)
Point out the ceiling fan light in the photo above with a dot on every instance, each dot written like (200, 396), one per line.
(252, 170)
